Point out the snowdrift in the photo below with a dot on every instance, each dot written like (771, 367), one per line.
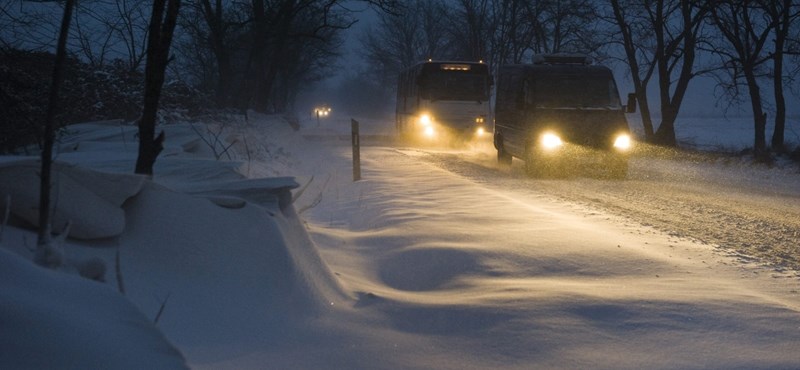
(208, 251)
(51, 320)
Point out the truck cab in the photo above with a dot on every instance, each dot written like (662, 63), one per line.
(559, 113)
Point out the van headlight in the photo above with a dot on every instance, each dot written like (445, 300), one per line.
(622, 142)
(551, 141)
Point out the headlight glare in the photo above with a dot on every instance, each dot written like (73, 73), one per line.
(551, 141)
(622, 142)
(425, 119)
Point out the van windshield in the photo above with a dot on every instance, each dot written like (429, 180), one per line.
(575, 92)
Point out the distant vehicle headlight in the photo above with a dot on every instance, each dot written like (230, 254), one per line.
(551, 141)
(429, 132)
(480, 131)
(622, 142)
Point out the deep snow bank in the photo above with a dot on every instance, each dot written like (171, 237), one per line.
(51, 320)
(91, 201)
(219, 258)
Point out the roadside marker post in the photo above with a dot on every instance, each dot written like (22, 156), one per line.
(356, 150)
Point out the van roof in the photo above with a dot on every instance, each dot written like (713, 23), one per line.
(559, 69)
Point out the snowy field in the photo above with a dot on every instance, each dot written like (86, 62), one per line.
(277, 259)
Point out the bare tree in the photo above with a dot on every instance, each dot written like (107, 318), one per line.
(131, 28)
(400, 40)
(162, 25)
(218, 40)
(785, 15)
(744, 27)
(470, 29)
(659, 40)
(93, 32)
(513, 35)
(46, 254)
(268, 48)
(563, 25)
(29, 27)
(393, 43)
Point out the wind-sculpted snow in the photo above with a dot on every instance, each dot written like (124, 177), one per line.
(53, 321)
(217, 259)
(89, 200)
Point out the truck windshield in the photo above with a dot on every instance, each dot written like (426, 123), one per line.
(455, 86)
(575, 92)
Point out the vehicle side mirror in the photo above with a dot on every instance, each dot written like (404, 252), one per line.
(631, 107)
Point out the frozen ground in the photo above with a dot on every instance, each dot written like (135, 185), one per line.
(435, 259)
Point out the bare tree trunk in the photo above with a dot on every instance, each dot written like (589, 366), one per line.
(671, 104)
(781, 13)
(639, 83)
(44, 252)
(744, 26)
(161, 30)
(759, 117)
(217, 34)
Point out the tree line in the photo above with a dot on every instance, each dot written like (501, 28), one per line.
(260, 54)
(750, 47)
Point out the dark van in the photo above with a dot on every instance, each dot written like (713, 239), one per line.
(560, 113)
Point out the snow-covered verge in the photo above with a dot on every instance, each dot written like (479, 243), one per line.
(210, 255)
(51, 320)
(413, 267)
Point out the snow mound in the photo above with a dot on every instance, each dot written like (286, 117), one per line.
(257, 267)
(55, 321)
(90, 200)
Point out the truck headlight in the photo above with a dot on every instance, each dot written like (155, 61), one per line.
(551, 141)
(622, 142)
(425, 119)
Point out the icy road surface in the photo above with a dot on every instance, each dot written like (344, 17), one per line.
(455, 263)
(747, 210)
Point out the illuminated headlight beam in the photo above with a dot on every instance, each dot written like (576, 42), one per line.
(425, 119)
(551, 141)
(622, 142)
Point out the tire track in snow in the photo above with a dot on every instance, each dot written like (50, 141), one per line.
(750, 213)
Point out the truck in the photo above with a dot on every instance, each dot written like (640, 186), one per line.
(444, 100)
(561, 113)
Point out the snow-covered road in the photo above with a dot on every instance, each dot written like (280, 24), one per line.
(749, 211)
(454, 263)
